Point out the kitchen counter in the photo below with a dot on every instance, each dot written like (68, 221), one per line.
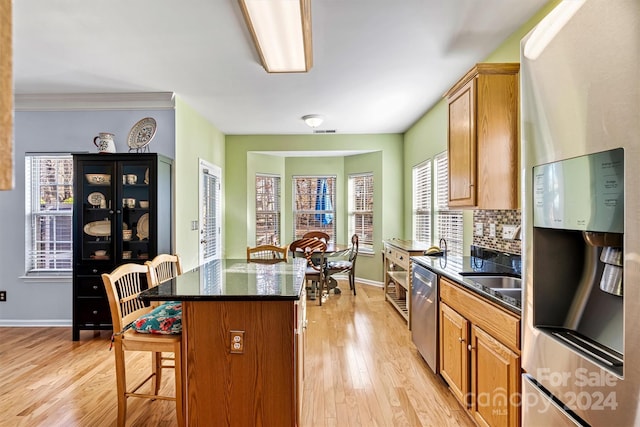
(233, 280)
(455, 268)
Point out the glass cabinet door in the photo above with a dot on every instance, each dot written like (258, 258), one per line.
(136, 206)
(97, 198)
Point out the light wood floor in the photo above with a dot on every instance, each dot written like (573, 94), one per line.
(362, 369)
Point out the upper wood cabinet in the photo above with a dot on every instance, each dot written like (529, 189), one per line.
(483, 138)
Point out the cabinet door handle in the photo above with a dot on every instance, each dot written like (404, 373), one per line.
(94, 271)
(460, 339)
(95, 287)
(470, 348)
(95, 311)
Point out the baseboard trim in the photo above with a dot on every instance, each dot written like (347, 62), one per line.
(35, 323)
(360, 280)
(370, 282)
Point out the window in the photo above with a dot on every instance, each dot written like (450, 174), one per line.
(313, 210)
(49, 213)
(448, 222)
(361, 210)
(267, 210)
(422, 202)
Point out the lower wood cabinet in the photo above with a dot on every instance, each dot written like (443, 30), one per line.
(495, 381)
(480, 355)
(454, 357)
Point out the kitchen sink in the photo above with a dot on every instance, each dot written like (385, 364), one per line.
(510, 292)
(497, 282)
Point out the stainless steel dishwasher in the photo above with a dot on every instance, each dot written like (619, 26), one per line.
(424, 313)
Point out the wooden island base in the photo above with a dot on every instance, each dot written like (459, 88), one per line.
(258, 386)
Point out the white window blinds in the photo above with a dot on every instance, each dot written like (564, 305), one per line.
(361, 210)
(267, 210)
(422, 202)
(49, 213)
(210, 212)
(448, 222)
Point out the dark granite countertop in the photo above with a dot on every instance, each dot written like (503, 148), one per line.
(482, 262)
(233, 280)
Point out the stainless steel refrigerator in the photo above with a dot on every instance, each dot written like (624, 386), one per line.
(580, 148)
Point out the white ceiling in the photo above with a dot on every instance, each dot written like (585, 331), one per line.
(379, 65)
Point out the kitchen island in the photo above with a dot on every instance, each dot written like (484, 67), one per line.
(243, 342)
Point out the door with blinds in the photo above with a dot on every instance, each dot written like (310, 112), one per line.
(210, 212)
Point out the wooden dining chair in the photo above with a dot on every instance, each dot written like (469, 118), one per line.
(164, 267)
(268, 253)
(321, 235)
(348, 265)
(128, 315)
(314, 251)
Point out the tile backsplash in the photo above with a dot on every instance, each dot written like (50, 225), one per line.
(499, 218)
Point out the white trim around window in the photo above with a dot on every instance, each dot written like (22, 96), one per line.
(48, 216)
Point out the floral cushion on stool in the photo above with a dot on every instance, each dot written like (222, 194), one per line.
(164, 319)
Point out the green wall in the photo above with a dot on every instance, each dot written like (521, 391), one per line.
(428, 136)
(196, 139)
(248, 154)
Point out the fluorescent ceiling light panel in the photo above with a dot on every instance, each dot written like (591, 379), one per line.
(281, 31)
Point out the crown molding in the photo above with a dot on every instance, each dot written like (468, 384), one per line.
(94, 101)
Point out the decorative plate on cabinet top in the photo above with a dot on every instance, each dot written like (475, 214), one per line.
(142, 133)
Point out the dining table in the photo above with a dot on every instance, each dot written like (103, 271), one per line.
(333, 251)
(242, 340)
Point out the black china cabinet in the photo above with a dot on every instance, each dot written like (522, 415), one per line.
(122, 213)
